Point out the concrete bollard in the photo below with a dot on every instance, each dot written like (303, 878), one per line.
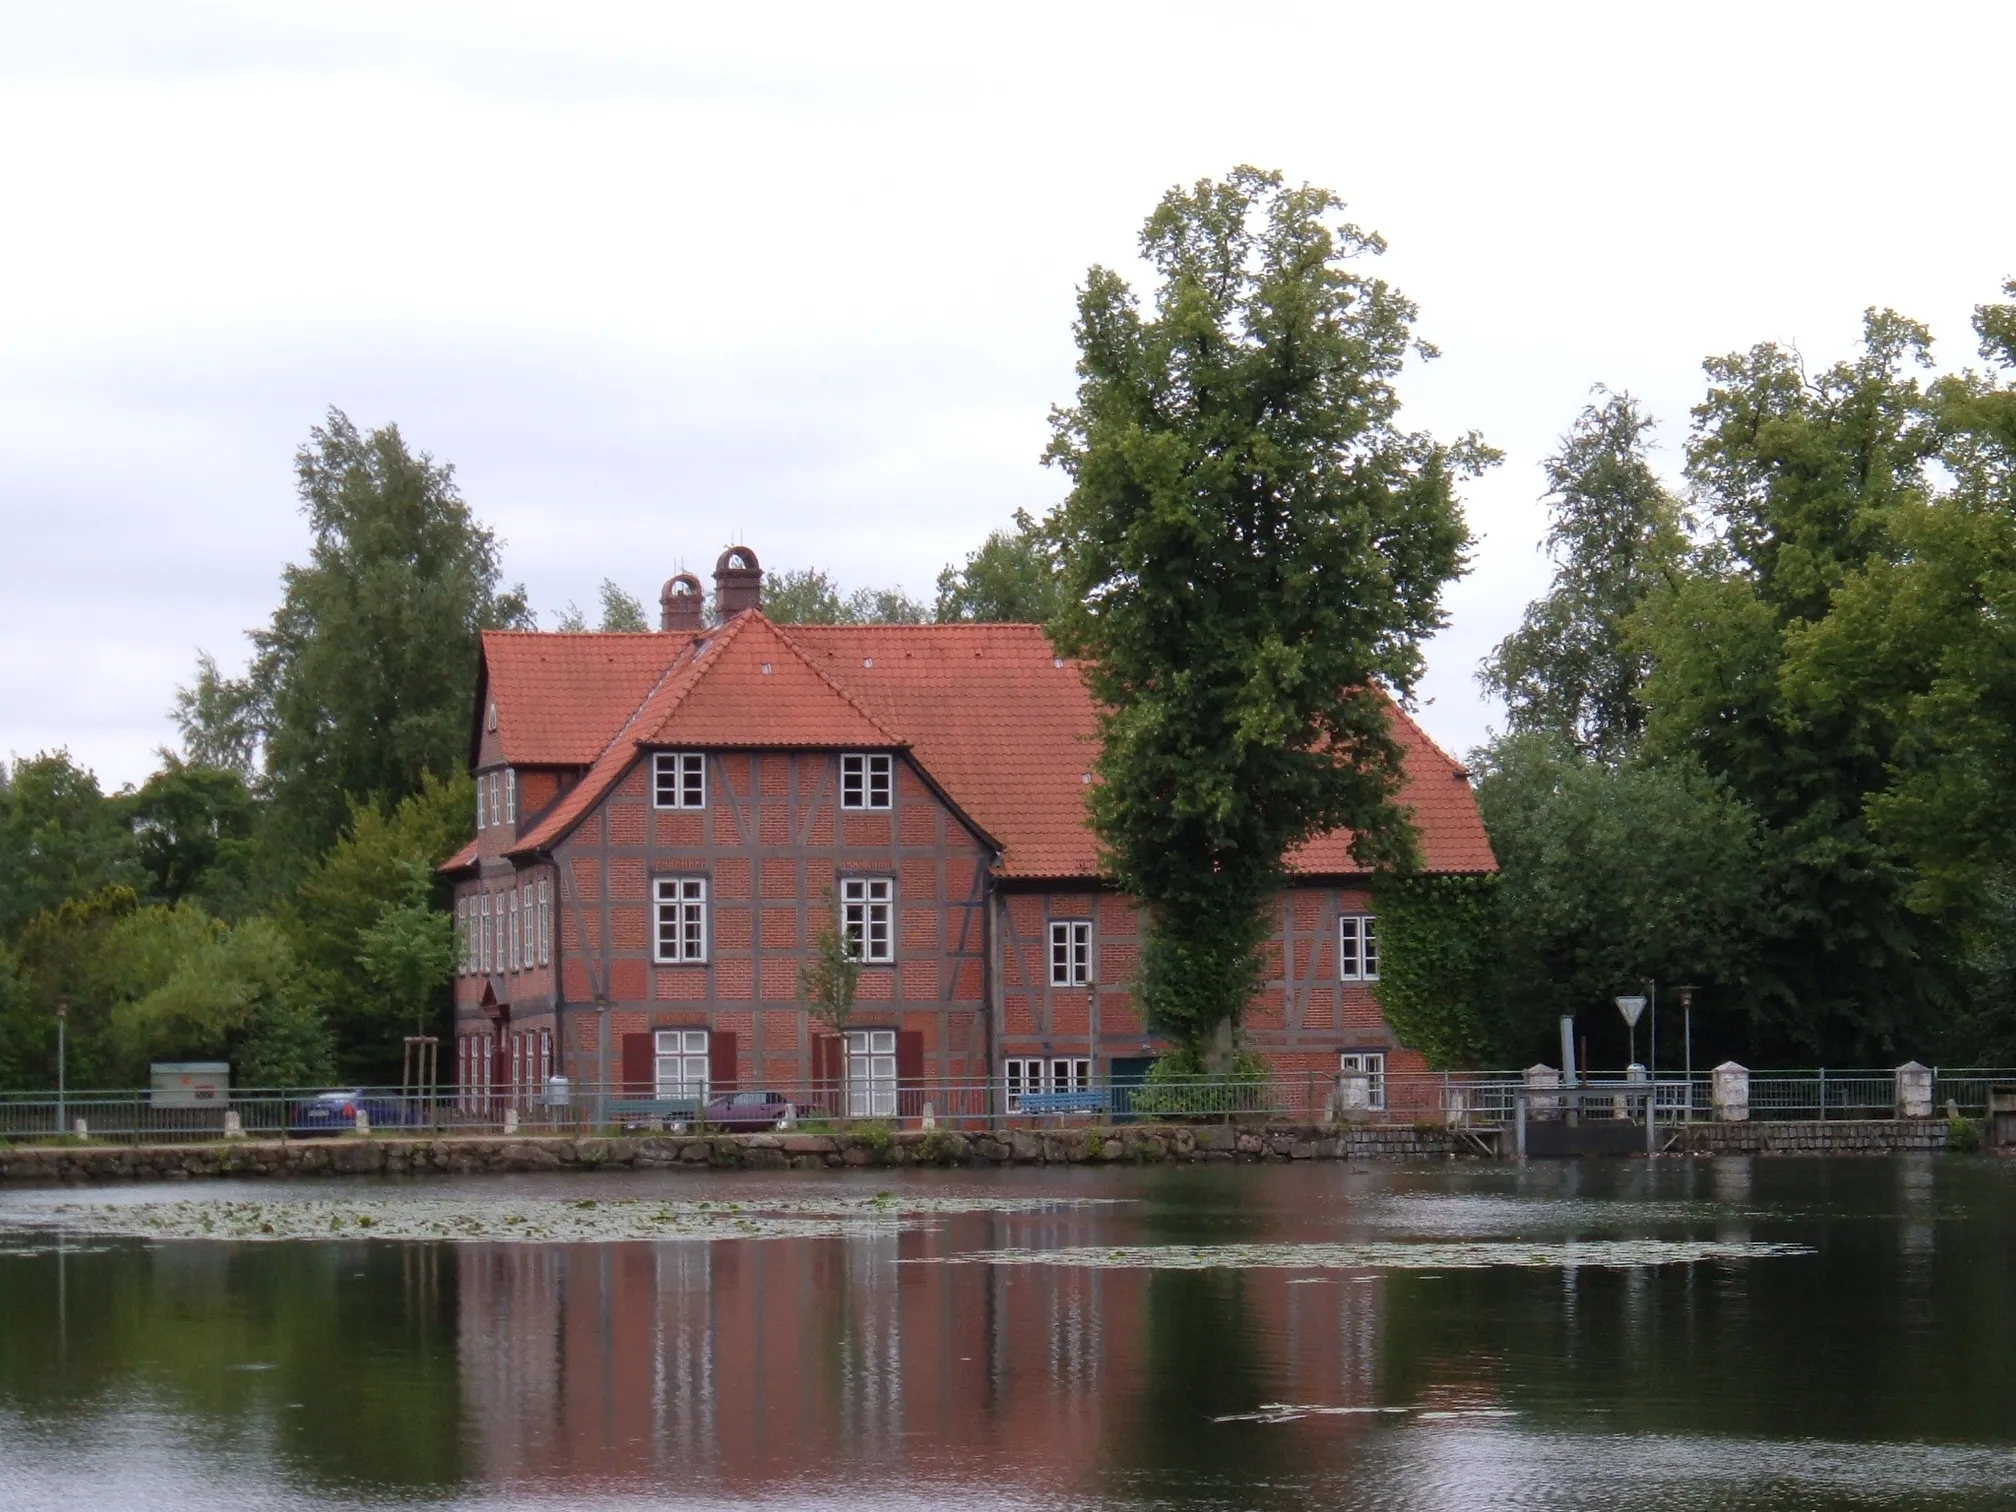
(510, 1123)
(234, 1124)
(81, 1128)
(1456, 1107)
(1542, 1079)
(1914, 1090)
(363, 1122)
(930, 1118)
(1729, 1093)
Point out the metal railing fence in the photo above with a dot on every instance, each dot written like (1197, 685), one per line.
(1476, 1100)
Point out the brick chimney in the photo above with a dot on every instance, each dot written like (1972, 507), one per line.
(681, 603)
(738, 582)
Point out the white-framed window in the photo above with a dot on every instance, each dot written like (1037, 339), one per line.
(1357, 949)
(866, 918)
(510, 795)
(496, 798)
(1071, 1075)
(516, 959)
(682, 918)
(865, 781)
(679, 779)
(1021, 1076)
(1372, 1063)
(680, 1064)
(1070, 952)
(483, 932)
(1030, 1076)
(461, 936)
(545, 921)
(481, 817)
(871, 1073)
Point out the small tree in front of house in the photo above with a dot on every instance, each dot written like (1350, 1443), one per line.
(829, 981)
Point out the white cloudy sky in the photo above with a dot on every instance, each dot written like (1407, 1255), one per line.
(654, 276)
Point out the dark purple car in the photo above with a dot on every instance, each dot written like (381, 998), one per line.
(747, 1110)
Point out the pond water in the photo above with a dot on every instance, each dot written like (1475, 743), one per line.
(1726, 1334)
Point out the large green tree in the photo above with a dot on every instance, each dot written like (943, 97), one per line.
(60, 838)
(1807, 479)
(361, 685)
(1251, 547)
(809, 596)
(1615, 533)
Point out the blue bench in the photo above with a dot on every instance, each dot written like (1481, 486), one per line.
(1065, 1102)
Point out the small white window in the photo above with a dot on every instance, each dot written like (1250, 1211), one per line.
(681, 1064)
(516, 959)
(461, 936)
(682, 919)
(1372, 1064)
(481, 820)
(483, 933)
(865, 782)
(510, 795)
(1070, 953)
(496, 798)
(1070, 1076)
(1357, 949)
(1024, 1077)
(531, 925)
(545, 922)
(865, 922)
(679, 779)
(871, 1073)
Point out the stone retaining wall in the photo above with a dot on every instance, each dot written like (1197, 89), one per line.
(391, 1156)
(1872, 1136)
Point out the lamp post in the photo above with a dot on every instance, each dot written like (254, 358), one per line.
(62, 1054)
(1687, 1043)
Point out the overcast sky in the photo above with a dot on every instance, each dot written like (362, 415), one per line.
(655, 277)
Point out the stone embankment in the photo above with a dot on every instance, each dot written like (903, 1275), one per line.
(382, 1155)
(1867, 1136)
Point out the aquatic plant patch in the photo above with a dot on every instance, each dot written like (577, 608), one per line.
(1613, 1254)
(491, 1221)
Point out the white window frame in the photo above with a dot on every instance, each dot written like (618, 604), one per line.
(679, 919)
(1071, 953)
(496, 800)
(482, 818)
(1024, 1075)
(483, 956)
(680, 1064)
(462, 936)
(871, 1072)
(510, 795)
(1357, 948)
(545, 922)
(529, 908)
(868, 918)
(1373, 1064)
(681, 777)
(511, 908)
(867, 780)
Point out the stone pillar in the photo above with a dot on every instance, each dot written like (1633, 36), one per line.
(1354, 1096)
(510, 1122)
(234, 1124)
(363, 1122)
(1542, 1079)
(1729, 1093)
(1914, 1090)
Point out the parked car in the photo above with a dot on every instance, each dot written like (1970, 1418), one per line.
(747, 1110)
(336, 1112)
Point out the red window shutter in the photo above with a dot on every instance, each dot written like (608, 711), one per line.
(827, 1051)
(909, 1072)
(640, 1074)
(720, 1062)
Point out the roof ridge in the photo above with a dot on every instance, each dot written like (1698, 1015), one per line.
(813, 667)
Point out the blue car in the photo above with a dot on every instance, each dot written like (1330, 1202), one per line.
(336, 1113)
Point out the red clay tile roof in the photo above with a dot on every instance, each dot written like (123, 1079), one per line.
(462, 860)
(990, 712)
(560, 697)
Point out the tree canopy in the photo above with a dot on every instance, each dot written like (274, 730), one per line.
(1250, 548)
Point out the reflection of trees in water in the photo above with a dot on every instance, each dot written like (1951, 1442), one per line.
(361, 1336)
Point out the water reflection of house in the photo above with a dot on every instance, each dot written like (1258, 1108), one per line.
(746, 1365)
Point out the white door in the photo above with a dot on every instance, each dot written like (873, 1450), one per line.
(871, 1073)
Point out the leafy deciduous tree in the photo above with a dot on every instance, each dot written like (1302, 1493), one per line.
(1012, 578)
(1251, 545)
